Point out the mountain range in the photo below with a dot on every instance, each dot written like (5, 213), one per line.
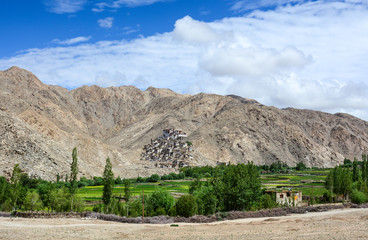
(40, 125)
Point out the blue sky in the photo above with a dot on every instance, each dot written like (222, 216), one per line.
(284, 53)
(38, 23)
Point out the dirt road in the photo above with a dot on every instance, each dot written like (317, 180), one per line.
(337, 224)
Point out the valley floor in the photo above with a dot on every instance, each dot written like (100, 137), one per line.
(336, 224)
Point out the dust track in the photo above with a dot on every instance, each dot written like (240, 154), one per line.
(336, 224)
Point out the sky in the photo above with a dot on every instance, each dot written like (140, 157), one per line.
(283, 53)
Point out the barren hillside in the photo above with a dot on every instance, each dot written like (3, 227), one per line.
(40, 124)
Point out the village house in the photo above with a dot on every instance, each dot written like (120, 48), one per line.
(287, 197)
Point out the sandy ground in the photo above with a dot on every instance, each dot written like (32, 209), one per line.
(337, 224)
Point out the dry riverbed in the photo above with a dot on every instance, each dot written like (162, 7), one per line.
(335, 224)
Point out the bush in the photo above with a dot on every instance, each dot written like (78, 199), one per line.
(267, 201)
(118, 180)
(140, 180)
(154, 178)
(97, 208)
(159, 203)
(301, 166)
(98, 181)
(135, 207)
(172, 212)
(78, 204)
(186, 206)
(358, 197)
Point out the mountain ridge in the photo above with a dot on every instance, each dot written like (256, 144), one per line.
(40, 125)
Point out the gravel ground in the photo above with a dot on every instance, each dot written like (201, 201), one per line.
(335, 224)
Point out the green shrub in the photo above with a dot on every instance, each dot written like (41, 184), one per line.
(97, 208)
(159, 203)
(267, 201)
(160, 211)
(300, 166)
(154, 178)
(172, 212)
(358, 197)
(135, 207)
(186, 206)
(78, 204)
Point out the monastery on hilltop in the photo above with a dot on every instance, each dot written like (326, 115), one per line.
(168, 150)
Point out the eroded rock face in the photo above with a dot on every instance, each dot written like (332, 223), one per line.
(40, 124)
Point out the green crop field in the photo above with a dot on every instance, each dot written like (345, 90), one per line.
(94, 193)
(307, 181)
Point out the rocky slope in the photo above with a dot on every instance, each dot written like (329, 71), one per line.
(40, 124)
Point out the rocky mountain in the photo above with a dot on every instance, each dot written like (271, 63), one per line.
(40, 124)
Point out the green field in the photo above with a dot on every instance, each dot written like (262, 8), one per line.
(310, 182)
(307, 181)
(94, 193)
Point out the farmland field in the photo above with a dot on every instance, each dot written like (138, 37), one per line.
(309, 182)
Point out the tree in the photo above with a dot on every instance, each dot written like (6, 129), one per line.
(195, 185)
(73, 177)
(206, 200)
(127, 191)
(15, 186)
(108, 185)
(355, 170)
(154, 178)
(32, 201)
(4, 191)
(365, 168)
(243, 186)
(186, 206)
(358, 197)
(339, 181)
(45, 191)
(60, 200)
(300, 166)
(159, 203)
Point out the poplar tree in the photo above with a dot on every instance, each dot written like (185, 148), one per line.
(355, 170)
(73, 177)
(15, 185)
(108, 185)
(127, 191)
(364, 168)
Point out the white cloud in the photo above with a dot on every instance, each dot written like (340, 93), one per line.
(236, 60)
(189, 30)
(106, 22)
(245, 5)
(72, 41)
(311, 55)
(101, 6)
(64, 6)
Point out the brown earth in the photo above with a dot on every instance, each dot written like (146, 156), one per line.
(40, 124)
(336, 224)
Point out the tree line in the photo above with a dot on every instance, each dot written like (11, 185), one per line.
(349, 181)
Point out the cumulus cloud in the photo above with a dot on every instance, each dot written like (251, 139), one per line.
(72, 41)
(106, 22)
(236, 60)
(309, 55)
(101, 6)
(64, 6)
(192, 31)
